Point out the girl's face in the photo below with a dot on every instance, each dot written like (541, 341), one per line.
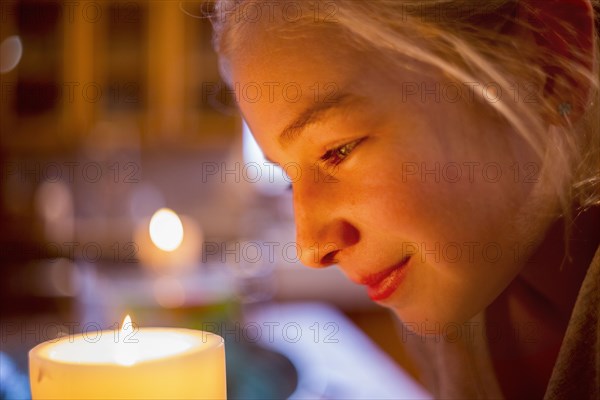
(424, 198)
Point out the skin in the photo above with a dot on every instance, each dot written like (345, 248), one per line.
(362, 203)
(368, 212)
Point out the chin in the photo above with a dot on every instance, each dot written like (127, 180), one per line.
(424, 321)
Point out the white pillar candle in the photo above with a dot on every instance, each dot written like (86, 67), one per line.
(146, 363)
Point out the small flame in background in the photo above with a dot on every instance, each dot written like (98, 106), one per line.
(166, 230)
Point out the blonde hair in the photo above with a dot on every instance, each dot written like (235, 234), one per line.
(469, 42)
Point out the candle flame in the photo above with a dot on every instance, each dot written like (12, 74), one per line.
(125, 355)
(127, 324)
(166, 230)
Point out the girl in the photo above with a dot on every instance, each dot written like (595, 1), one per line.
(448, 159)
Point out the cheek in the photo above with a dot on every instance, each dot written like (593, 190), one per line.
(406, 208)
(430, 194)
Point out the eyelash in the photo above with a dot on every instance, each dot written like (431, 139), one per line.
(350, 146)
(341, 152)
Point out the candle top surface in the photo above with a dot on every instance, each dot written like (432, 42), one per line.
(111, 347)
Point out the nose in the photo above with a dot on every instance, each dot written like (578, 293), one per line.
(322, 231)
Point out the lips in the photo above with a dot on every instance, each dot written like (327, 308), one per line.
(383, 284)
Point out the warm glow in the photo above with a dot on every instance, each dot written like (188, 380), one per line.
(130, 363)
(125, 352)
(127, 325)
(166, 230)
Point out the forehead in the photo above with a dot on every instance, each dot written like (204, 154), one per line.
(275, 76)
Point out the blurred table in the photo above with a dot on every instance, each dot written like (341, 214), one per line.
(334, 359)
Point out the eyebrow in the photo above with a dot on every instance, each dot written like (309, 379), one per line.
(313, 115)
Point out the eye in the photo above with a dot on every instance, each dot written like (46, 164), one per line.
(336, 155)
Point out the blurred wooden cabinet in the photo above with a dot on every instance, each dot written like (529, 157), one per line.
(140, 65)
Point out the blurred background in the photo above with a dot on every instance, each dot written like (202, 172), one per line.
(131, 185)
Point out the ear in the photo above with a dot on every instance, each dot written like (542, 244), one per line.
(565, 31)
